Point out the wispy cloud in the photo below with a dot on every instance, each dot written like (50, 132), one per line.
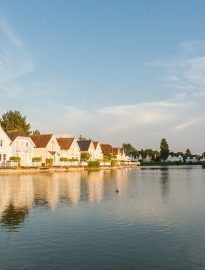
(15, 61)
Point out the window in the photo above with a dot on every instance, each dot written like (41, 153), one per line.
(4, 157)
(26, 144)
(0, 157)
(1, 142)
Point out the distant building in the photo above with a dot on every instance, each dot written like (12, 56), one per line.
(173, 157)
(191, 159)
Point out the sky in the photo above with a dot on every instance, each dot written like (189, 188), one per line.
(119, 71)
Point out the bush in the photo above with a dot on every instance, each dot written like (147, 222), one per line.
(85, 156)
(93, 164)
(64, 159)
(49, 162)
(36, 159)
(18, 159)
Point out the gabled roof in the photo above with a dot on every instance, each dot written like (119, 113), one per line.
(65, 143)
(95, 144)
(84, 145)
(42, 140)
(106, 148)
(16, 133)
(116, 151)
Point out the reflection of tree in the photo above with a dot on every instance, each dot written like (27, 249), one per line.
(164, 182)
(12, 217)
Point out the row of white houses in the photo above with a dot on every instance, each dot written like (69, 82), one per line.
(47, 149)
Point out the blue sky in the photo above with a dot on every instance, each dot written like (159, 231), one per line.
(117, 71)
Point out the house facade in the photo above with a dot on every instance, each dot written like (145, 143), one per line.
(174, 158)
(191, 159)
(98, 151)
(22, 147)
(47, 149)
(87, 147)
(69, 148)
(107, 151)
(5, 147)
(116, 153)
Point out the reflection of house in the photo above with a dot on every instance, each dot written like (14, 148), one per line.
(16, 197)
(95, 181)
(98, 151)
(69, 148)
(5, 148)
(21, 146)
(87, 147)
(47, 147)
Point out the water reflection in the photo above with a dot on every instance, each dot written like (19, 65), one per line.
(164, 182)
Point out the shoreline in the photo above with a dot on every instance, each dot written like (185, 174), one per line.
(54, 170)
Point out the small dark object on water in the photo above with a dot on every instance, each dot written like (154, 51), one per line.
(117, 191)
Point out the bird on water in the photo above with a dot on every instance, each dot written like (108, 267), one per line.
(117, 191)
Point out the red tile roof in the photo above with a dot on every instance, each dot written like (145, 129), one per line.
(42, 140)
(65, 143)
(14, 134)
(106, 148)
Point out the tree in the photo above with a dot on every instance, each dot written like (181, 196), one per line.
(15, 121)
(188, 153)
(85, 156)
(129, 149)
(164, 149)
(36, 132)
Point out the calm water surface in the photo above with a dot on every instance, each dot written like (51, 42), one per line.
(77, 220)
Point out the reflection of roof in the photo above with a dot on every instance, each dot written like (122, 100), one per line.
(84, 145)
(106, 148)
(14, 134)
(65, 143)
(41, 141)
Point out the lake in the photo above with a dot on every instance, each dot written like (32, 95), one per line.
(76, 220)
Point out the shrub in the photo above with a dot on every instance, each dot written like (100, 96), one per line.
(49, 162)
(64, 159)
(36, 159)
(93, 164)
(85, 156)
(18, 159)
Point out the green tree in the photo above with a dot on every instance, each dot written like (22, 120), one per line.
(129, 149)
(36, 132)
(15, 121)
(85, 156)
(164, 149)
(188, 153)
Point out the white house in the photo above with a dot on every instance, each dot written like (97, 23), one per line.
(192, 159)
(144, 157)
(69, 148)
(117, 153)
(21, 146)
(5, 147)
(98, 151)
(175, 158)
(87, 147)
(47, 149)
